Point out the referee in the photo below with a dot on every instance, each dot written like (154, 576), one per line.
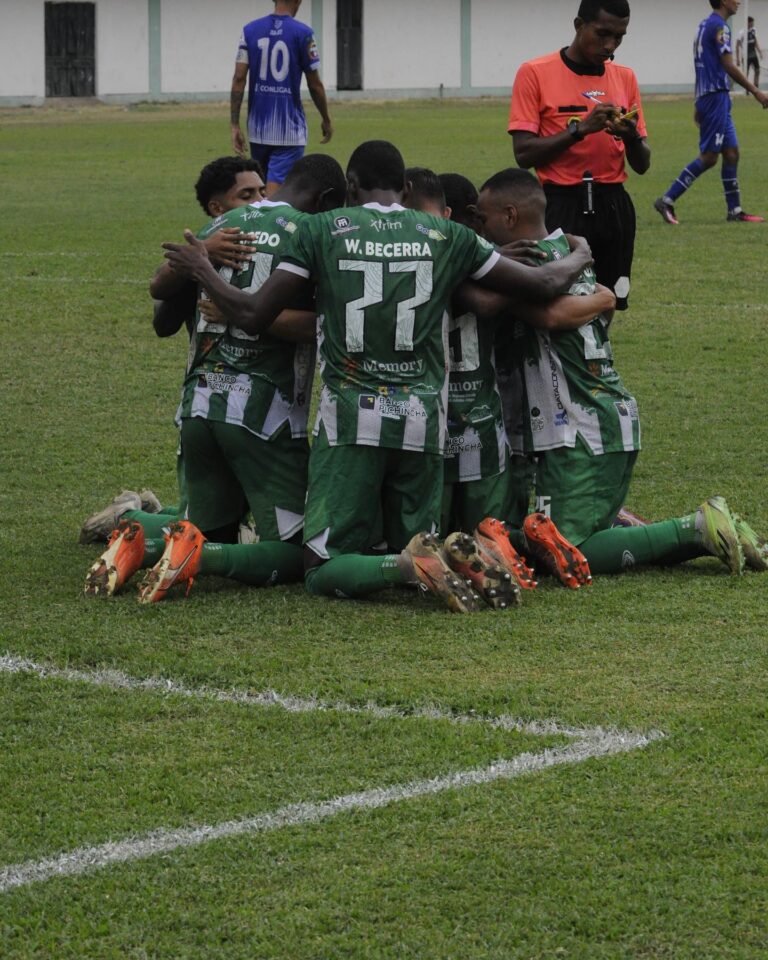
(567, 122)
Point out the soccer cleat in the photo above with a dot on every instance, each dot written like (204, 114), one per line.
(626, 518)
(424, 557)
(495, 585)
(755, 548)
(549, 547)
(492, 537)
(122, 558)
(719, 535)
(100, 525)
(739, 216)
(666, 210)
(179, 563)
(149, 502)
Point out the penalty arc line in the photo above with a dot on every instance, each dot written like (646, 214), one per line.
(85, 859)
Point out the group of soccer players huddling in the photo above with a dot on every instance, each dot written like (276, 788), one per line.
(465, 373)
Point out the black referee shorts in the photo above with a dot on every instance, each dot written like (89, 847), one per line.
(610, 230)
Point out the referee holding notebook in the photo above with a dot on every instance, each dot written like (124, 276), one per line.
(576, 118)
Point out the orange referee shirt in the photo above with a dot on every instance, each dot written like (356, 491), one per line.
(547, 94)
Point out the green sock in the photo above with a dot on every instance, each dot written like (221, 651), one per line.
(622, 548)
(353, 576)
(258, 564)
(153, 550)
(152, 523)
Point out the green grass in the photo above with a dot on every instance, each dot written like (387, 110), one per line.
(654, 854)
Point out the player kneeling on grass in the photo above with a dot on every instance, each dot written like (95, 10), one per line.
(482, 481)
(244, 412)
(223, 185)
(579, 419)
(384, 278)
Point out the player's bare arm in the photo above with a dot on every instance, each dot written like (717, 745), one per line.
(317, 92)
(738, 77)
(567, 312)
(543, 283)
(235, 104)
(250, 312)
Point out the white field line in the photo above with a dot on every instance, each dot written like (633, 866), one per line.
(116, 680)
(588, 743)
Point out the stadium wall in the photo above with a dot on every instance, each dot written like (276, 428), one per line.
(185, 49)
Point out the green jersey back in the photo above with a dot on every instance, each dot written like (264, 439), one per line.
(256, 381)
(571, 388)
(477, 441)
(384, 279)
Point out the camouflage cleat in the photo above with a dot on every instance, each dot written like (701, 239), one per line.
(495, 585)
(150, 502)
(99, 526)
(492, 537)
(719, 535)
(424, 559)
(122, 558)
(755, 548)
(550, 548)
(180, 562)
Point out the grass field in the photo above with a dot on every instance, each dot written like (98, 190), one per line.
(656, 852)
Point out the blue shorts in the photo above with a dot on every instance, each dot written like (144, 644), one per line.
(276, 161)
(717, 132)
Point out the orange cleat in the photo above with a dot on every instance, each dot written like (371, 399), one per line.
(492, 537)
(122, 558)
(493, 582)
(179, 563)
(549, 547)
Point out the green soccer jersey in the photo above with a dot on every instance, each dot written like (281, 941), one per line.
(570, 386)
(384, 279)
(256, 381)
(477, 441)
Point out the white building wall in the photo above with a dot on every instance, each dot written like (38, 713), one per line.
(409, 47)
(22, 50)
(658, 46)
(122, 47)
(415, 46)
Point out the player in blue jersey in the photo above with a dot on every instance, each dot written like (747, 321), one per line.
(713, 60)
(277, 50)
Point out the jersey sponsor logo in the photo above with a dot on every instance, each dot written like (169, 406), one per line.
(287, 225)
(430, 232)
(455, 446)
(593, 95)
(627, 561)
(224, 383)
(390, 408)
(464, 386)
(561, 419)
(344, 225)
(379, 225)
(398, 366)
(247, 214)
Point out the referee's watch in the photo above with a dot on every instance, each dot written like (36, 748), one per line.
(573, 129)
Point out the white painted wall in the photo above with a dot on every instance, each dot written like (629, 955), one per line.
(658, 46)
(407, 45)
(122, 53)
(22, 49)
(411, 44)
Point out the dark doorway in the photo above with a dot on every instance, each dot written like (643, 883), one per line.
(70, 49)
(349, 44)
